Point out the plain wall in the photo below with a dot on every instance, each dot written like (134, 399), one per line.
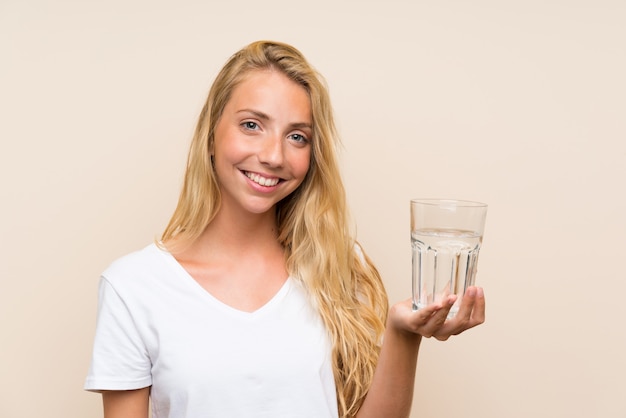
(520, 104)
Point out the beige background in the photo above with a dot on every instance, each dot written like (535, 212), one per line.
(520, 104)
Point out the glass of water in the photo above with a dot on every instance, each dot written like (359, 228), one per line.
(446, 236)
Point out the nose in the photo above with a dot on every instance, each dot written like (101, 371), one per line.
(271, 152)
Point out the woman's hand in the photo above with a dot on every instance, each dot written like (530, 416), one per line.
(430, 321)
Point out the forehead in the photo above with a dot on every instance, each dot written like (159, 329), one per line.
(270, 90)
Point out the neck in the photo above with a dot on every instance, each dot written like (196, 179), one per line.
(231, 233)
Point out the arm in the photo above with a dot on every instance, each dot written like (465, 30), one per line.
(126, 403)
(391, 392)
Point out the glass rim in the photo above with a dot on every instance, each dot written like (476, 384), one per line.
(454, 202)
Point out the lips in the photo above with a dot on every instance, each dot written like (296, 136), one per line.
(263, 181)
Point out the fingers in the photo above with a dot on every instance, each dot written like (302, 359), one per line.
(432, 324)
(425, 321)
(471, 313)
(478, 313)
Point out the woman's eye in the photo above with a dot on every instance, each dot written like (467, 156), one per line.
(250, 125)
(298, 138)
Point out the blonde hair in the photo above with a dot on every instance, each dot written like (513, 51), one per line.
(321, 251)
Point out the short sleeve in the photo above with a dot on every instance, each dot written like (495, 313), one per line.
(120, 360)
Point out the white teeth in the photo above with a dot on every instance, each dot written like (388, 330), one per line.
(261, 180)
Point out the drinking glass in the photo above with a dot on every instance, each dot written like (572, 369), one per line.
(446, 236)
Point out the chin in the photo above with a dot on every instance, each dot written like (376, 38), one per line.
(260, 209)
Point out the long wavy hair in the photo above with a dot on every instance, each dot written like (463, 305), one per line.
(313, 226)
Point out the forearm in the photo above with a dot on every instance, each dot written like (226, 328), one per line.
(391, 392)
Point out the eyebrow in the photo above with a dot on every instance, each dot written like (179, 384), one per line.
(256, 113)
(265, 117)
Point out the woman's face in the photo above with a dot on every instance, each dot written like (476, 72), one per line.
(262, 147)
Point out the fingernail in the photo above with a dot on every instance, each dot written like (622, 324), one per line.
(471, 292)
(480, 292)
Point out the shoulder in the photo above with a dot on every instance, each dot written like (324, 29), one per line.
(135, 266)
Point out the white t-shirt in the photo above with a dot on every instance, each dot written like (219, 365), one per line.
(158, 327)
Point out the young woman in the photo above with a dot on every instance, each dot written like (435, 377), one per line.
(258, 301)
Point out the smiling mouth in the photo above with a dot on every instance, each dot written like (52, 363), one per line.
(263, 181)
